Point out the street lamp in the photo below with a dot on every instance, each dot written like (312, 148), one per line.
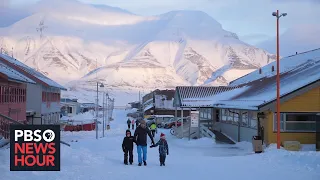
(104, 122)
(97, 106)
(277, 15)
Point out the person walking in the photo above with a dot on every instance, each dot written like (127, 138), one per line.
(137, 122)
(132, 124)
(140, 137)
(127, 147)
(163, 149)
(128, 123)
(153, 128)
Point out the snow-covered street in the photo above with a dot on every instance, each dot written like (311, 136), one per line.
(91, 159)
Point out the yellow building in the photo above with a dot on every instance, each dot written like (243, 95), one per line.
(255, 94)
(247, 106)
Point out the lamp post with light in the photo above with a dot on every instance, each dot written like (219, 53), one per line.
(97, 108)
(278, 15)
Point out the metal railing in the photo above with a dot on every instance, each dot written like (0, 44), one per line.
(206, 132)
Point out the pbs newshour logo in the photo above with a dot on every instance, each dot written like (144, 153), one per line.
(35, 148)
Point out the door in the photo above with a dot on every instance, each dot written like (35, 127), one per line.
(318, 132)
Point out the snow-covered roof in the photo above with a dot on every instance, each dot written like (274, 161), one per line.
(88, 105)
(148, 107)
(260, 92)
(148, 101)
(286, 64)
(14, 75)
(30, 71)
(194, 96)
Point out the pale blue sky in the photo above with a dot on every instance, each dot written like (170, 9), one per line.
(250, 19)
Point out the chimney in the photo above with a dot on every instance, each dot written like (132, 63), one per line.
(260, 71)
(272, 68)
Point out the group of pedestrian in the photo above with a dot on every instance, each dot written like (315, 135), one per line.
(132, 123)
(140, 139)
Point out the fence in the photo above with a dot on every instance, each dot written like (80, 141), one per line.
(5, 122)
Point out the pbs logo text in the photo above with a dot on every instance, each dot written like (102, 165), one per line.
(34, 136)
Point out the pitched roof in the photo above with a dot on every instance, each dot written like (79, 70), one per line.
(194, 96)
(287, 64)
(257, 93)
(13, 75)
(29, 72)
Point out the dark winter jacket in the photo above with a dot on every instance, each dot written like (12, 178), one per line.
(128, 122)
(163, 147)
(127, 143)
(137, 122)
(140, 136)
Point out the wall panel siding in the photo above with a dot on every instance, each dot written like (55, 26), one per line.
(34, 97)
(308, 102)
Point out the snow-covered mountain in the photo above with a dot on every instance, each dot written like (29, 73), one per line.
(76, 44)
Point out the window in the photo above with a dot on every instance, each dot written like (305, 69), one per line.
(236, 116)
(229, 116)
(201, 113)
(223, 115)
(253, 119)
(245, 119)
(218, 115)
(296, 122)
(1, 92)
(70, 110)
(206, 113)
(209, 113)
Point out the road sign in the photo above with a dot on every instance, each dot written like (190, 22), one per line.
(194, 115)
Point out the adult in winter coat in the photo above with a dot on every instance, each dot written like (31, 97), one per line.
(163, 149)
(140, 137)
(137, 122)
(153, 128)
(128, 122)
(127, 147)
(132, 124)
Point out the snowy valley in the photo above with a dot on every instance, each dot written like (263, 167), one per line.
(128, 52)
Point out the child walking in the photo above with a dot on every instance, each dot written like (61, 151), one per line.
(132, 124)
(127, 147)
(163, 149)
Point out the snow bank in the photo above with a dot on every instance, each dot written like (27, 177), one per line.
(93, 159)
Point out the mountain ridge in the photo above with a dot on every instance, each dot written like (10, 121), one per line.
(126, 51)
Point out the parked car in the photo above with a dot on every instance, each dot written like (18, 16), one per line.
(173, 123)
(159, 120)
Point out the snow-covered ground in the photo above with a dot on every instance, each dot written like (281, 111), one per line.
(91, 159)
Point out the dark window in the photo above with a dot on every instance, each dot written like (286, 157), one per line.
(69, 109)
(296, 122)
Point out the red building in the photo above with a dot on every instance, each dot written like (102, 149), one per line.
(12, 97)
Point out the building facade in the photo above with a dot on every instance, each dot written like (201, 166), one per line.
(13, 87)
(160, 102)
(247, 107)
(43, 97)
(69, 107)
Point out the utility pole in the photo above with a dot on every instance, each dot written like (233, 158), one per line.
(97, 112)
(140, 106)
(108, 108)
(103, 116)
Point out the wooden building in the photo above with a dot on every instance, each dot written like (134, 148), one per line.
(13, 88)
(43, 97)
